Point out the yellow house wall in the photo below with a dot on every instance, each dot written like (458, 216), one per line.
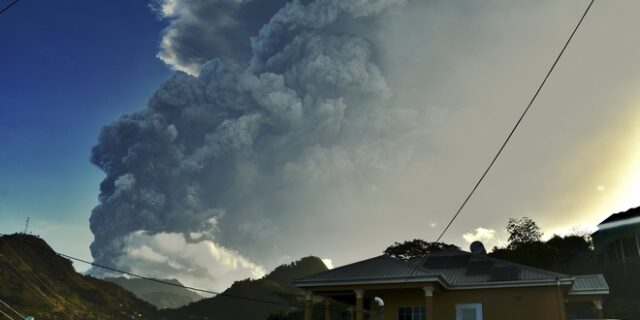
(532, 303)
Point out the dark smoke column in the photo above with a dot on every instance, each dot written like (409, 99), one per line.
(211, 153)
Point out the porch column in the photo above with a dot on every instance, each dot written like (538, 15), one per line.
(561, 300)
(373, 309)
(428, 303)
(327, 309)
(598, 305)
(359, 304)
(308, 305)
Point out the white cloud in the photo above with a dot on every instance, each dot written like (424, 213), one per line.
(168, 8)
(480, 234)
(203, 264)
(171, 58)
(486, 236)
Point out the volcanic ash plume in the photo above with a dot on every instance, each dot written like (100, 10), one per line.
(221, 163)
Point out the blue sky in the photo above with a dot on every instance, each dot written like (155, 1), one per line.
(68, 68)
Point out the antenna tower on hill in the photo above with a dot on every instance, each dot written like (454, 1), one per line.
(26, 226)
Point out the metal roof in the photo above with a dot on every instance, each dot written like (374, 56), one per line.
(385, 269)
(620, 216)
(589, 284)
(381, 267)
(459, 276)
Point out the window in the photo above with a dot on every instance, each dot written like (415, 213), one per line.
(472, 311)
(411, 313)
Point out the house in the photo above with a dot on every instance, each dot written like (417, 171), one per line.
(617, 241)
(617, 248)
(453, 284)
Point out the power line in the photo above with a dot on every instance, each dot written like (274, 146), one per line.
(15, 269)
(504, 144)
(12, 309)
(65, 303)
(6, 315)
(513, 130)
(9, 6)
(53, 252)
(44, 296)
(174, 284)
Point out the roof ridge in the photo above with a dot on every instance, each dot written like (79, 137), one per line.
(339, 268)
(616, 216)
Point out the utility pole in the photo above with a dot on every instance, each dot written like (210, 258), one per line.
(26, 226)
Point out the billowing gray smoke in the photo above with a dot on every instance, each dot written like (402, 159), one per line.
(201, 30)
(232, 155)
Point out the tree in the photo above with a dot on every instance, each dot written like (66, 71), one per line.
(416, 248)
(522, 231)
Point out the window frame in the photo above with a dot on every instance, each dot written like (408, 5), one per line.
(413, 311)
(462, 306)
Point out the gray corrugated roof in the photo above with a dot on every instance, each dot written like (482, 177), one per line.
(386, 268)
(380, 267)
(588, 284)
(624, 215)
(459, 276)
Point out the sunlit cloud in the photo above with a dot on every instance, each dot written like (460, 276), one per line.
(201, 264)
(328, 262)
(628, 195)
(480, 234)
(486, 236)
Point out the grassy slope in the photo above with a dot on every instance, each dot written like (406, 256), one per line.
(84, 297)
(276, 286)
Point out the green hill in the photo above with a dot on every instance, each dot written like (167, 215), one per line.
(160, 295)
(36, 282)
(277, 286)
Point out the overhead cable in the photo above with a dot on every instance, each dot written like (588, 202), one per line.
(12, 309)
(8, 6)
(517, 124)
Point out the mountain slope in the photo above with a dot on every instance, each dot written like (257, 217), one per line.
(277, 286)
(160, 295)
(36, 282)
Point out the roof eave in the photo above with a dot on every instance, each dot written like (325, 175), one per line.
(588, 292)
(347, 282)
(444, 283)
(515, 284)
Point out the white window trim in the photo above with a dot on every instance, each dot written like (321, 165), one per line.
(477, 306)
